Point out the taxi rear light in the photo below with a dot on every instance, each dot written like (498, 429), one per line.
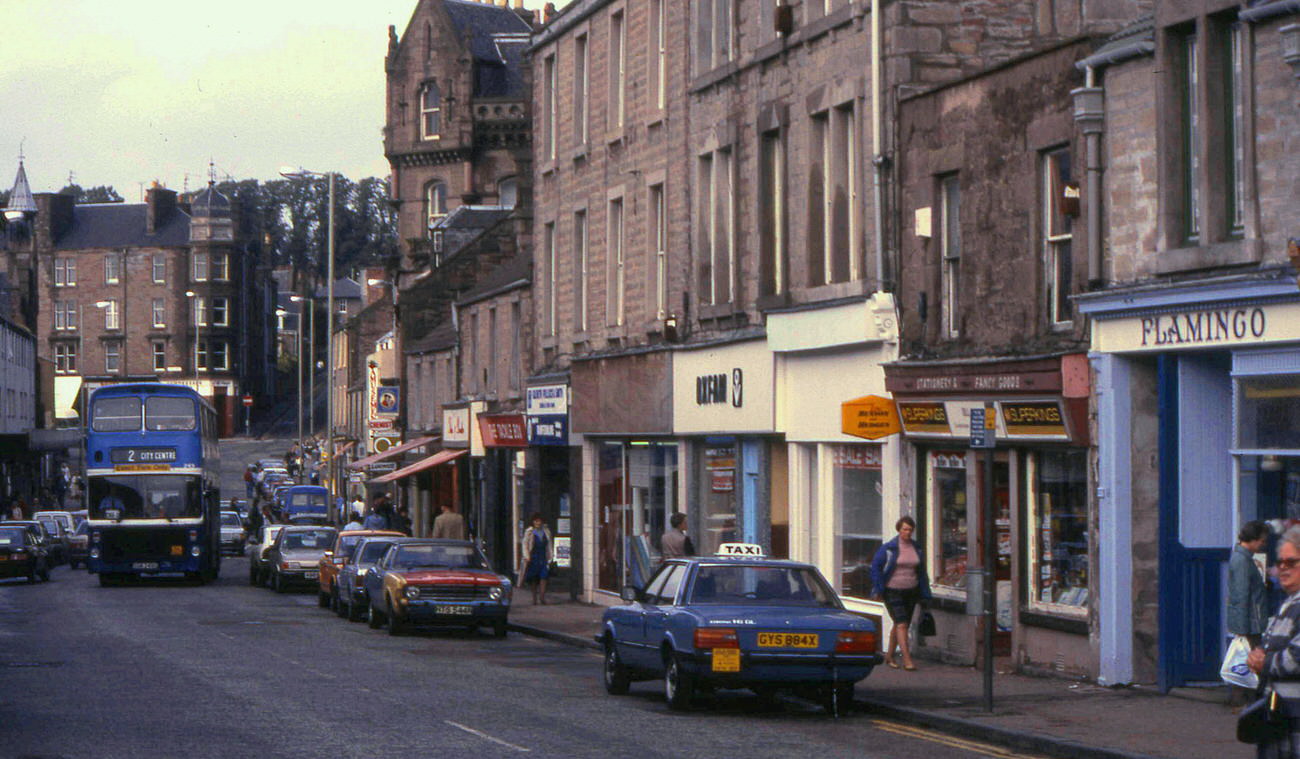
(716, 637)
(856, 643)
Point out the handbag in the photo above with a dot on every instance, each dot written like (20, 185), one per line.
(926, 628)
(1262, 722)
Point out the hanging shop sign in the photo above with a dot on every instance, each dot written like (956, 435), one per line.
(503, 430)
(871, 417)
(455, 427)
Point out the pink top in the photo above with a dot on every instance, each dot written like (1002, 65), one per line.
(904, 576)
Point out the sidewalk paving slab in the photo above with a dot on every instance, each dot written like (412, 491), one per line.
(1044, 715)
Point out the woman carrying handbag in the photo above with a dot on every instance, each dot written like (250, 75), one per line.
(898, 577)
(1273, 722)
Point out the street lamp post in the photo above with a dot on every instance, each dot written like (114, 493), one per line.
(291, 173)
(198, 325)
(307, 351)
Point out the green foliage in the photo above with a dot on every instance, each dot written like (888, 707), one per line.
(98, 194)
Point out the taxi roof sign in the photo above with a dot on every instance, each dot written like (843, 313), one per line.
(741, 549)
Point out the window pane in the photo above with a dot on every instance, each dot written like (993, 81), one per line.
(1268, 412)
(857, 493)
(717, 498)
(169, 414)
(949, 477)
(115, 415)
(1060, 530)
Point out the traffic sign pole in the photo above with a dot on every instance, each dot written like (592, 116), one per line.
(983, 434)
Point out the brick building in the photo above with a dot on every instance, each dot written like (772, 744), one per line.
(160, 290)
(1194, 319)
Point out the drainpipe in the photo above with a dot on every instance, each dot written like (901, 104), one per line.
(878, 161)
(1090, 115)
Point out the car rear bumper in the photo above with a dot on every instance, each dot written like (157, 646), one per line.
(769, 668)
(21, 568)
(300, 576)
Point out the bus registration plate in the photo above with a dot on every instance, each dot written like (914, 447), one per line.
(145, 565)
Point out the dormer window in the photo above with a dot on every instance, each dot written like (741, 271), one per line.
(430, 112)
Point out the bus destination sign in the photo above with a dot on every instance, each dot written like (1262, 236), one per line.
(142, 455)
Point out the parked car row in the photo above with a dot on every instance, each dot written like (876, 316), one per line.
(60, 534)
(23, 553)
(383, 577)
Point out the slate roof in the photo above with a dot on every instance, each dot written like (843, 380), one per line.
(439, 338)
(497, 38)
(514, 270)
(343, 288)
(465, 224)
(20, 199)
(121, 225)
(210, 203)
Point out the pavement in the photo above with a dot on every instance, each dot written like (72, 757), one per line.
(1049, 716)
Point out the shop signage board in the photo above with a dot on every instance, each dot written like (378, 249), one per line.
(1198, 328)
(387, 400)
(455, 427)
(548, 429)
(547, 399)
(724, 388)
(381, 467)
(872, 417)
(547, 415)
(1041, 419)
(503, 430)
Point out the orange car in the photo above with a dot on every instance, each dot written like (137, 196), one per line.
(336, 557)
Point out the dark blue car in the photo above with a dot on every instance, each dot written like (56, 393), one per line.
(738, 622)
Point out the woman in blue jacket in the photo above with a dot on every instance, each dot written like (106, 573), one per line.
(898, 577)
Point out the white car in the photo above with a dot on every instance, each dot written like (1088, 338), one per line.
(64, 518)
(258, 570)
(233, 534)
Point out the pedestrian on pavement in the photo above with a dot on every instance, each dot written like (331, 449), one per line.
(401, 521)
(1277, 660)
(1247, 588)
(377, 519)
(16, 510)
(355, 524)
(675, 543)
(449, 524)
(248, 480)
(357, 506)
(898, 577)
(255, 519)
(537, 547)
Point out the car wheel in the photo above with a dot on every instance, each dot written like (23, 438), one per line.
(252, 576)
(837, 699)
(615, 676)
(679, 685)
(374, 619)
(45, 573)
(499, 628)
(277, 581)
(31, 577)
(322, 599)
(351, 611)
(106, 580)
(395, 625)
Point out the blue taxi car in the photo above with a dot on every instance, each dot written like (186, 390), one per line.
(738, 620)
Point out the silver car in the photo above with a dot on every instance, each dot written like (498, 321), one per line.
(352, 577)
(294, 557)
(233, 534)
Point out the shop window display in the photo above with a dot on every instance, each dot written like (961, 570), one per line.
(1059, 540)
(718, 493)
(858, 503)
(948, 478)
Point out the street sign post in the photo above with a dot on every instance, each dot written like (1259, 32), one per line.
(983, 435)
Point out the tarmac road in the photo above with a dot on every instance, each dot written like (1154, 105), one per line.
(168, 669)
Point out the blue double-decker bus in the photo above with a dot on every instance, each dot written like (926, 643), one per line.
(152, 483)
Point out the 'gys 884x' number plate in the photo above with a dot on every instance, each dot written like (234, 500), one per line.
(787, 640)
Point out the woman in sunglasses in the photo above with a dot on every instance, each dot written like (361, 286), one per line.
(1277, 662)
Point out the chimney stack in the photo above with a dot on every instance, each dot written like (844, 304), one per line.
(161, 203)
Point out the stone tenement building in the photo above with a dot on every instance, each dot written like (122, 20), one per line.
(160, 290)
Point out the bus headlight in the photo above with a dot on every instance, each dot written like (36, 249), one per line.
(195, 551)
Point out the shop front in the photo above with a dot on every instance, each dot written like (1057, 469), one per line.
(1040, 500)
(552, 474)
(1198, 432)
(724, 412)
(622, 406)
(504, 439)
(842, 494)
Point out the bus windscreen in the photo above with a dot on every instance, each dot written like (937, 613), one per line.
(120, 414)
(145, 497)
(163, 414)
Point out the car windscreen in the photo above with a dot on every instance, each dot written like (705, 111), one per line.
(438, 557)
(348, 545)
(138, 496)
(768, 585)
(11, 536)
(373, 551)
(169, 414)
(314, 501)
(307, 540)
(116, 415)
(52, 525)
(231, 520)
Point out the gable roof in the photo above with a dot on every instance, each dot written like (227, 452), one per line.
(497, 38)
(512, 273)
(121, 225)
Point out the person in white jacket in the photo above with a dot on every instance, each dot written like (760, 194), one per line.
(536, 551)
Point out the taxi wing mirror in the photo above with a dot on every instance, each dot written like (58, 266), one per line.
(630, 593)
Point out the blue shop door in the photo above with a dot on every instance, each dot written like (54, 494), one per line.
(1196, 515)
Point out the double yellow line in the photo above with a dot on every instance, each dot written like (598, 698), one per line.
(984, 749)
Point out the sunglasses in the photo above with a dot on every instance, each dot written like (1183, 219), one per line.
(1288, 563)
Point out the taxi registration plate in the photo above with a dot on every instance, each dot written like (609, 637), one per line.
(787, 640)
(456, 610)
(726, 660)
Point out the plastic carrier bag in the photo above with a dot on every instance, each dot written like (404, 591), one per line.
(1234, 670)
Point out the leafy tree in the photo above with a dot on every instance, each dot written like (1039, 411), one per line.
(98, 194)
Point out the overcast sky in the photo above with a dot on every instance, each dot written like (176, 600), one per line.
(123, 92)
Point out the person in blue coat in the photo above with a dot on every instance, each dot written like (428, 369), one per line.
(898, 577)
